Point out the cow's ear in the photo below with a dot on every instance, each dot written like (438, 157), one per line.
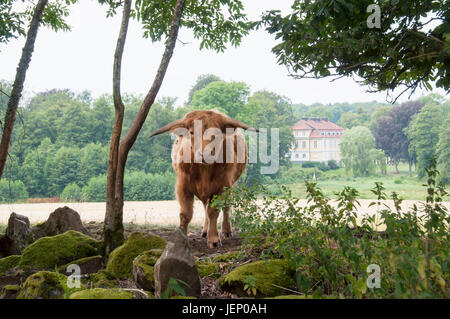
(168, 127)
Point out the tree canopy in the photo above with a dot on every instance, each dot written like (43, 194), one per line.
(321, 38)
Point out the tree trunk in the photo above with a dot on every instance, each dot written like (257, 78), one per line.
(113, 229)
(16, 92)
(410, 167)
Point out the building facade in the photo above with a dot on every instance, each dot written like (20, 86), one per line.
(316, 140)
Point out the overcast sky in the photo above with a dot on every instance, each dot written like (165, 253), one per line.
(82, 60)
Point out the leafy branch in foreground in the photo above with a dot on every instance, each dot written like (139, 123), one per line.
(331, 244)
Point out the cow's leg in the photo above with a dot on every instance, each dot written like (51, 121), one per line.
(186, 200)
(226, 226)
(206, 225)
(213, 235)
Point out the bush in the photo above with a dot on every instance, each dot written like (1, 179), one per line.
(11, 191)
(331, 250)
(296, 174)
(95, 190)
(138, 186)
(71, 193)
(332, 164)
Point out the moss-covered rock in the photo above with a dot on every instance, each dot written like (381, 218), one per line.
(102, 279)
(50, 252)
(207, 268)
(9, 292)
(9, 262)
(290, 297)
(226, 257)
(43, 285)
(101, 293)
(120, 263)
(261, 275)
(143, 268)
(88, 265)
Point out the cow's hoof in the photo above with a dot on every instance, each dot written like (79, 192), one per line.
(204, 234)
(227, 234)
(213, 245)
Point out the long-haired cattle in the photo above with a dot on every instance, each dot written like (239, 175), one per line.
(209, 154)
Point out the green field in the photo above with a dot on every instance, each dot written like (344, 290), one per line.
(334, 181)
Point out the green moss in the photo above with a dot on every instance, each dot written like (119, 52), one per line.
(262, 275)
(100, 293)
(12, 287)
(229, 256)
(290, 297)
(120, 263)
(50, 252)
(9, 262)
(146, 261)
(183, 297)
(102, 279)
(206, 268)
(43, 285)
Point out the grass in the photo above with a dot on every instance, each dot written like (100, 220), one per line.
(333, 181)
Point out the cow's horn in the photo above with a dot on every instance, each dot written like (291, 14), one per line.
(236, 123)
(166, 128)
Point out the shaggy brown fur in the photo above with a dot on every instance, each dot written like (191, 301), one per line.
(205, 180)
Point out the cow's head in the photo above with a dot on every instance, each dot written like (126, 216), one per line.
(202, 128)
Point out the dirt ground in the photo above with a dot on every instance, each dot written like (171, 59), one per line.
(198, 248)
(160, 213)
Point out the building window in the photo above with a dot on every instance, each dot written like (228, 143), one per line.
(296, 133)
(304, 144)
(315, 144)
(304, 155)
(303, 133)
(296, 155)
(325, 144)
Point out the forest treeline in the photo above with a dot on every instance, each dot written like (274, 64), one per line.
(61, 142)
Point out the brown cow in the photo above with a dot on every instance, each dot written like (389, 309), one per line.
(204, 166)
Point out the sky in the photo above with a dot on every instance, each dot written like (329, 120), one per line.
(82, 60)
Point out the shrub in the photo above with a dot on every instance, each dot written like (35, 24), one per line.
(138, 186)
(95, 190)
(11, 191)
(71, 193)
(332, 164)
(331, 249)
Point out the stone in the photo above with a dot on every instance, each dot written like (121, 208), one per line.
(88, 265)
(265, 276)
(143, 269)
(120, 262)
(61, 220)
(177, 262)
(19, 232)
(43, 285)
(55, 251)
(5, 246)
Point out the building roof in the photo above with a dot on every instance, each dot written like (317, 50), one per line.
(316, 124)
